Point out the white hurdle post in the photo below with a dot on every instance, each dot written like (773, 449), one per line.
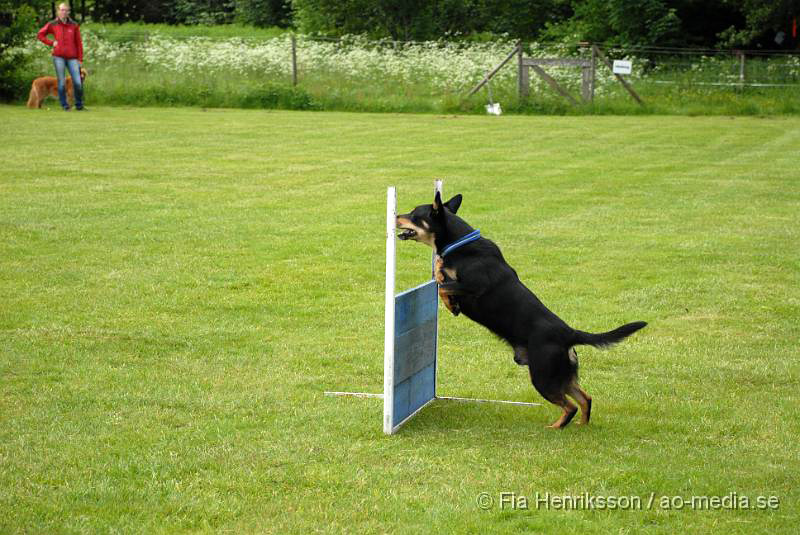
(410, 338)
(388, 335)
(437, 188)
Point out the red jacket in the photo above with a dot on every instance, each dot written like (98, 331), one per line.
(67, 37)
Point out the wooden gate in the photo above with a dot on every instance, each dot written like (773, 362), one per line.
(588, 67)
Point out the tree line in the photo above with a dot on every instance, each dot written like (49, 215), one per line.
(770, 24)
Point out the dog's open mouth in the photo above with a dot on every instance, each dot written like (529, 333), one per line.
(407, 234)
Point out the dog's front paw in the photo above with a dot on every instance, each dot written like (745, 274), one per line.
(450, 302)
(438, 273)
(452, 305)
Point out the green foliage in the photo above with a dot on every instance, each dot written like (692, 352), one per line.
(205, 12)
(206, 92)
(761, 16)
(273, 96)
(523, 19)
(420, 19)
(405, 19)
(192, 12)
(647, 22)
(18, 21)
(336, 17)
(132, 10)
(264, 13)
(134, 32)
(624, 22)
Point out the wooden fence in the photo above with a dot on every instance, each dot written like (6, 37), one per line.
(588, 67)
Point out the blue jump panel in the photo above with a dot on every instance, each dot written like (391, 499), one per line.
(415, 320)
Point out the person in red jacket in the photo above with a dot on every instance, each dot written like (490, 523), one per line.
(67, 53)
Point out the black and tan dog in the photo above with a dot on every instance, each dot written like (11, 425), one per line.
(475, 279)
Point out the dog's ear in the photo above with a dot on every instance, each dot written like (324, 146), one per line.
(437, 203)
(454, 203)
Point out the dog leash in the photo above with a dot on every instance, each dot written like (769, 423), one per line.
(471, 237)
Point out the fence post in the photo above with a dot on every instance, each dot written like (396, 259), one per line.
(593, 75)
(294, 60)
(741, 67)
(587, 76)
(523, 82)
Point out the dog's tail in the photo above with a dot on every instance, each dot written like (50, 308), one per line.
(604, 340)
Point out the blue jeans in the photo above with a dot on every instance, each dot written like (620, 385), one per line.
(74, 67)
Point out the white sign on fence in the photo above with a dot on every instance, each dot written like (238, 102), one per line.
(622, 66)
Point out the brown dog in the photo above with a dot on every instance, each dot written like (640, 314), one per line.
(47, 86)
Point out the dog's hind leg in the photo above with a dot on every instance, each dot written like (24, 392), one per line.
(35, 98)
(553, 391)
(569, 410)
(575, 391)
(584, 400)
(552, 372)
(32, 98)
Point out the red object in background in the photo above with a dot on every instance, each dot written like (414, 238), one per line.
(794, 27)
(67, 36)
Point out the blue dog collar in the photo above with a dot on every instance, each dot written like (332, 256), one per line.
(471, 237)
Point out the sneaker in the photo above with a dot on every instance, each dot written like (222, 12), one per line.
(67, 108)
(81, 109)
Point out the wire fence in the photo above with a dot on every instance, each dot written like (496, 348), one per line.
(654, 64)
(352, 67)
(715, 67)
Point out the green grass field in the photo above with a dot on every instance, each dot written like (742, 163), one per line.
(179, 287)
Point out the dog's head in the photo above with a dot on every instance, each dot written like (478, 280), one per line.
(431, 224)
(84, 74)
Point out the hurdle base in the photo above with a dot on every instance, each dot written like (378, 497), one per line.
(443, 398)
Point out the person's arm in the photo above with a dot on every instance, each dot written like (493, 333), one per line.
(42, 35)
(79, 42)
